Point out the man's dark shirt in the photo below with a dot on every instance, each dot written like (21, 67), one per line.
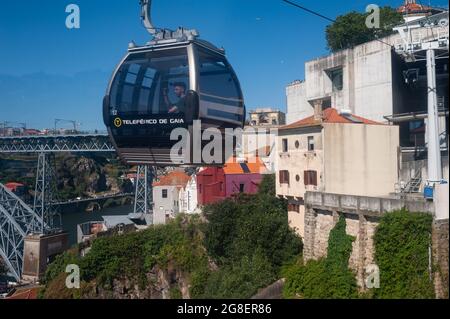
(181, 105)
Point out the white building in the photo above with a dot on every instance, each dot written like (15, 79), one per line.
(298, 106)
(166, 196)
(373, 81)
(189, 197)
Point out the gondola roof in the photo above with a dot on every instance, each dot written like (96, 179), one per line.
(167, 44)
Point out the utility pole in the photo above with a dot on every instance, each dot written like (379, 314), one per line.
(434, 148)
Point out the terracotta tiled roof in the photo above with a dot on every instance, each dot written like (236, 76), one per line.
(13, 186)
(254, 166)
(173, 179)
(330, 115)
(412, 7)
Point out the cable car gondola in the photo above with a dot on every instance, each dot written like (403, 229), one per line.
(167, 84)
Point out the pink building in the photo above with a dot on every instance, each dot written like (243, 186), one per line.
(216, 183)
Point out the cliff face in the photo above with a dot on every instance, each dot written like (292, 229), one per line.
(161, 284)
(81, 176)
(76, 176)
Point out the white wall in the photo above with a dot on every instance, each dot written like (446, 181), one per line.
(190, 197)
(165, 206)
(441, 201)
(367, 82)
(360, 160)
(298, 106)
(373, 85)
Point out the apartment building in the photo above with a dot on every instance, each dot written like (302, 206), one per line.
(335, 152)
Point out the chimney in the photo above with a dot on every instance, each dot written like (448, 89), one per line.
(318, 111)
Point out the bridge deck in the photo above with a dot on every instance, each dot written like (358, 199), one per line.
(56, 143)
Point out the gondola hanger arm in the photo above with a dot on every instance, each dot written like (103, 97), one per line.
(181, 34)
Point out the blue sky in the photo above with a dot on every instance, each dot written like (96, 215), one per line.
(48, 71)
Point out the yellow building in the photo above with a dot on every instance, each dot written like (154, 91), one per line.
(335, 152)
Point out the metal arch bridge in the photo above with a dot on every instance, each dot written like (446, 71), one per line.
(56, 144)
(18, 220)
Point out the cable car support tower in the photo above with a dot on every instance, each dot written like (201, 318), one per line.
(429, 49)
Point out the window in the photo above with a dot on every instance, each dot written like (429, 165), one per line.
(310, 178)
(285, 145)
(284, 177)
(337, 79)
(220, 92)
(297, 178)
(241, 188)
(139, 85)
(297, 144)
(311, 146)
(165, 193)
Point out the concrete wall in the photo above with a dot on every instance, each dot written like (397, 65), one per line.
(297, 220)
(368, 82)
(441, 202)
(362, 216)
(360, 159)
(38, 249)
(372, 81)
(298, 106)
(319, 84)
(440, 237)
(165, 206)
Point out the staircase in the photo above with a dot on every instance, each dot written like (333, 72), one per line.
(415, 183)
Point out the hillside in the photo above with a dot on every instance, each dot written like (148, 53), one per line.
(240, 249)
(75, 176)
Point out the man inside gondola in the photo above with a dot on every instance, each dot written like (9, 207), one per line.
(180, 92)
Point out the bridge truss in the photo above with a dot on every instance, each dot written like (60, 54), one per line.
(17, 220)
(56, 143)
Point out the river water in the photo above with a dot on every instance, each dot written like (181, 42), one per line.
(70, 220)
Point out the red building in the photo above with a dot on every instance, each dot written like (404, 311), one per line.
(216, 183)
(17, 188)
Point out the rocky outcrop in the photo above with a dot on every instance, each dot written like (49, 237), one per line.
(160, 284)
(81, 173)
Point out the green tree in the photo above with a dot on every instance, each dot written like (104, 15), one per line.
(328, 278)
(240, 279)
(237, 228)
(402, 242)
(350, 29)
